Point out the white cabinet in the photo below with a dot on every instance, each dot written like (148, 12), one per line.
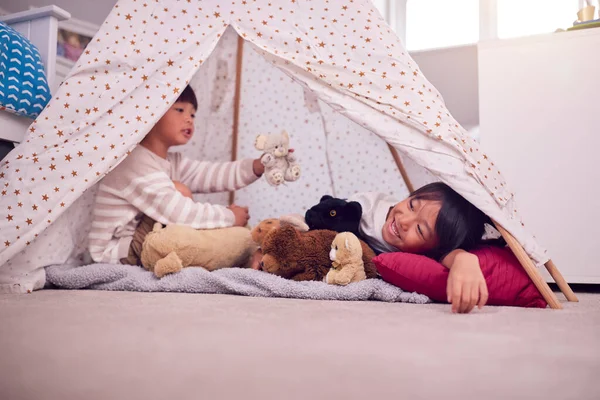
(540, 121)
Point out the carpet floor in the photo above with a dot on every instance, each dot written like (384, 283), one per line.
(122, 345)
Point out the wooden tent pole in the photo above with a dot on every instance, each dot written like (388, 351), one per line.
(530, 268)
(236, 106)
(400, 166)
(560, 281)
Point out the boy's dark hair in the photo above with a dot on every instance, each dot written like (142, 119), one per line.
(459, 225)
(188, 96)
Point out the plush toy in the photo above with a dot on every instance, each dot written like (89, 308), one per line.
(265, 226)
(347, 263)
(167, 250)
(335, 214)
(279, 161)
(259, 232)
(304, 256)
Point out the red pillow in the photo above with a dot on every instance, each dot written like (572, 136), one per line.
(508, 283)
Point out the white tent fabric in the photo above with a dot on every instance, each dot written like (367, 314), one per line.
(269, 103)
(343, 82)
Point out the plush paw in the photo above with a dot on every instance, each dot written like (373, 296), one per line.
(276, 178)
(171, 263)
(291, 158)
(267, 159)
(292, 173)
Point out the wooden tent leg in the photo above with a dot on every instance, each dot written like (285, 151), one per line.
(560, 281)
(530, 268)
(401, 168)
(236, 106)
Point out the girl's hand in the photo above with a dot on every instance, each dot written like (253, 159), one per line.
(466, 284)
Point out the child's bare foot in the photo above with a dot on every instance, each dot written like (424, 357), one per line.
(256, 258)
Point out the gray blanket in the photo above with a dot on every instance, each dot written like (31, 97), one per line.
(237, 281)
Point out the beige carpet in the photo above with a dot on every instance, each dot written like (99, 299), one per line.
(116, 345)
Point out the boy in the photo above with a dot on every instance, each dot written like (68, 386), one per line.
(152, 184)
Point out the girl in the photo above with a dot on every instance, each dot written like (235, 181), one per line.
(434, 221)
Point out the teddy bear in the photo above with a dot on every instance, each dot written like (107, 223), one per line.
(347, 262)
(335, 214)
(169, 249)
(259, 232)
(304, 256)
(279, 161)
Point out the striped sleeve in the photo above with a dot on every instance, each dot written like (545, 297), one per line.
(155, 195)
(142, 184)
(208, 177)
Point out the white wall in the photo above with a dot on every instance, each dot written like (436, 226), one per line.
(94, 11)
(454, 72)
(539, 123)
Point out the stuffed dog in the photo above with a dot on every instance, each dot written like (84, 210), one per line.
(168, 250)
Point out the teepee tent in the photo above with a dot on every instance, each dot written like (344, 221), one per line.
(332, 73)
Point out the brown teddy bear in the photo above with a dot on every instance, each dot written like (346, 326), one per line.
(304, 256)
(265, 226)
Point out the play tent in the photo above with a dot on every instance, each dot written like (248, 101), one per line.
(332, 73)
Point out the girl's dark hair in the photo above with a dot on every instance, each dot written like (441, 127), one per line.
(459, 225)
(188, 96)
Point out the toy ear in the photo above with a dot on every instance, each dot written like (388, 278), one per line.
(285, 135)
(355, 209)
(260, 142)
(295, 220)
(347, 244)
(326, 197)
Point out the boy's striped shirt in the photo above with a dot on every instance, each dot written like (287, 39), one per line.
(143, 184)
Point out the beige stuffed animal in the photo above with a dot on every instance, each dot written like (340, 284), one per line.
(168, 250)
(279, 161)
(346, 256)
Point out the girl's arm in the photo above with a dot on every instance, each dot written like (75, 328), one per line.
(466, 284)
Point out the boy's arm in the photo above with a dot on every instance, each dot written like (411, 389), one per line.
(155, 195)
(209, 177)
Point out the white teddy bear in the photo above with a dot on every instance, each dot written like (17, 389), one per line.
(279, 160)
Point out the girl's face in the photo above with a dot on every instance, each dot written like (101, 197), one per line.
(410, 225)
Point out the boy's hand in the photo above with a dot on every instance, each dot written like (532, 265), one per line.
(183, 189)
(258, 167)
(466, 284)
(241, 215)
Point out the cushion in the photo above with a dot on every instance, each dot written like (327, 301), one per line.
(508, 283)
(23, 86)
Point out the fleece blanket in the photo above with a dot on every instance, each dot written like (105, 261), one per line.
(237, 281)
